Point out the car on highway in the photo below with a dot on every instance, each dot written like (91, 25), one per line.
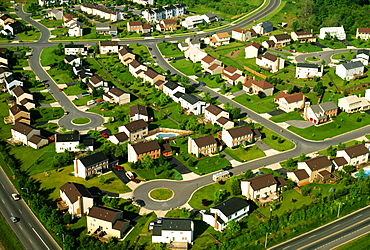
(139, 202)
(105, 135)
(16, 196)
(118, 167)
(227, 168)
(14, 219)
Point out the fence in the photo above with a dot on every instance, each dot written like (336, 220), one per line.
(255, 72)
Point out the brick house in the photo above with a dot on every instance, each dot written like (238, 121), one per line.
(138, 150)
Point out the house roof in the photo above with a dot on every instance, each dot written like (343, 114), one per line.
(169, 21)
(254, 44)
(67, 137)
(108, 43)
(55, 11)
(116, 91)
(353, 65)
(135, 63)
(230, 69)
(151, 73)
(213, 66)
(138, 109)
(339, 161)
(214, 109)
(208, 59)
(178, 94)
(121, 136)
(205, 141)
(301, 33)
(96, 79)
(93, 159)
(125, 50)
(239, 131)
(290, 98)
(239, 30)
(144, 147)
(324, 173)
(270, 43)
(192, 99)
(36, 139)
(267, 24)
(268, 56)
(74, 46)
(15, 109)
(19, 90)
(356, 150)
(22, 128)
(318, 163)
(262, 181)
(281, 37)
(222, 35)
(136, 125)
(231, 205)
(173, 224)
(326, 106)
(301, 174)
(121, 225)
(308, 65)
(75, 190)
(165, 147)
(363, 51)
(26, 100)
(159, 83)
(364, 30)
(70, 58)
(103, 213)
(222, 120)
(263, 84)
(171, 85)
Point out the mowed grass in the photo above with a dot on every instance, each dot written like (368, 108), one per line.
(287, 117)
(169, 50)
(51, 23)
(361, 243)
(43, 97)
(74, 90)
(56, 179)
(161, 194)
(187, 67)
(49, 57)
(245, 154)
(345, 56)
(281, 145)
(208, 165)
(257, 104)
(60, 76)
(8, 239)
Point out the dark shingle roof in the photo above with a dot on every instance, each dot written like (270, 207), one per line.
(74, 190)
(138, 109)
(318, 163)
(171, 85)
(144, 147)
(173, 224)
(356, 150)
(22, 128)
(36, 139)
(67, 137)
(192, 99)
(214, 109)
(231, 205)
(93, 159)
(308, 65)
(301, 174)
(240, 131)
(353, 65)
(340, 161)
(136, 125)
(18, 108)
(205, 141)
(103, 213)
(262, 181)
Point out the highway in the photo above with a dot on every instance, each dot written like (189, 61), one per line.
(331, 235)
(28, 229)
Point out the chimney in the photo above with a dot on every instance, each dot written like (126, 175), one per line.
(76, 167)
(306, 106)
(216, 218)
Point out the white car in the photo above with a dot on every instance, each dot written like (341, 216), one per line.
(130, 175)
(15, 197)
(14, 219)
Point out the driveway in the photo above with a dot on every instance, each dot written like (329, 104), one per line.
(276, 112)
(299, 124)
(121, 174)
(181, 168)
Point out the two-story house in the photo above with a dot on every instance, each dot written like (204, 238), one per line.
(353, 103)
(138, 150)
(167, 25)
(139, 112)
(192, 104)
(243, 35)
(218, 216)
(318, 168)
(11, 82)
(308, 70)
(22, 132)
(270, 62)
(171, 88)
(98, 82)
(135, 130)
(72, 60)
(205, 145)
(37, 141)
(253, 49)
(262, 186)
(263, 28)
(93, 164)
(108, 47)
(257, 87)
(107, 29)
(225, 123)
(363, 33)
(195, 54)
(19, 113)
(332, 32)
(281, 40)
(4, 72)
(212, 113)
(75, 29)
(299, 176)
(137, 69)
(67, 142)
(218, 39)
(138, 27)
(303, 36)
(290, 102)
(22, 93)
(320, 113)
(355, 155)
(237, 136)
(153, 77)
(77, 197)
(126, 55)
(349, 71)
(75, 49)
(167, 230)
(116, 95)
(208, 60)
(232, 75)
(56, 14)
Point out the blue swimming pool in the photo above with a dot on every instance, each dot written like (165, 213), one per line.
(162, 135)
(366, 174)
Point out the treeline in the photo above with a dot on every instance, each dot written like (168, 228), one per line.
(315, 14)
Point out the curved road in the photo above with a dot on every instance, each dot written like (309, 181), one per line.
(323, 55)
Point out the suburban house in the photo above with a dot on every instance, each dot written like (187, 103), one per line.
(195, 54)
(240, 135)
(152, 76)
(37, 141)
(22, 93)
(243, 35)
(354, 155)
(212, 113)
(218, 39)
(253, 49)
(6, 19)
(118, 138)
(75, 49)
(108, 47)
(93, 164)
(22, 132)
(225, 123)
(67, 142)
(101, 12)
(191, 22)
(97, 82)
(4, 72)
(290, 102)
(214, 69)
(363, 55)
(332, 32)
(72, 60)
(69, 17)
(218, 216)
(261, 86)
(193, 42)
(232, 75)
(353, 103)
(167, 25)
(108, 220)
(135, 130)
(11, 83)
(75, 29)
(205, 145)
(303, 36)
(125, 55)
(270, 62)
(268, 44)
(367, 94)
(363, 33)
(192, 104)
(318, 168)
(138, 27)
(56, 14)
(10, 29)
(183, 46)
(263, 28)
(138, 150)
(308, 70)
(281, 40)
(321, 112)
(338, 163)
(107, 29)
(77, 197)
(171, 88)
(167, 230)
(262, 186)
(164, 12)
(136, 68)
(208, 60)
(19, 113)
(299, 176)
(139, 112)
(116, 95)
(211, 17)
(82, 72)
(349, 71)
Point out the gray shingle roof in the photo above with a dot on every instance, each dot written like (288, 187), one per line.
(93, 159)
(353, 65)
(231, 205)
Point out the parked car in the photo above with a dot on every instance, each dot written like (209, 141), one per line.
(85, 94)
(135, 180)
(118, 167)
(13, 219)
(140, 203)
(227, 168)
(16, 197)
(130, 175)
(60, 89)
(292, 50)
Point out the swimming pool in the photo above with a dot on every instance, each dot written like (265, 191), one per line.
(162, 135)
(366, 174)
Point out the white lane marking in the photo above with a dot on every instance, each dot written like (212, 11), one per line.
(359, 216)
(40, 238)
(312, 236)
(336, 226)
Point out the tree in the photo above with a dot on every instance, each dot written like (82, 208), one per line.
(207, 97)
(235, 113)
(163, 99)
(81, 147)
(341, 146)
(305, 89)
(235, 186)
(331, 150)
(94, 92)
(191, 162)
(233, 226)
(239, 85)
(248, 174)
(349, 168)
(147, 162)
(291, 162)
(227, 106)
(220, 195)
(102, 179)
(302, 157)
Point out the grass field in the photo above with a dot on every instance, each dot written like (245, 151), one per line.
(345, 56)
(141, 227)
(206, 165)
(245, 154)
(332, 44)
(280, 144)
(60, 76)
(212, 81)
(57, 179)
(287, 117)
(257, 104)
(303, 47)
(187, 67)
(169, 50)
(30, 35)
(73, 90)
(51, 23)
(361, 243)
(81, 120)
(8, 240)
(83, 100)
(46, 114)
(161, 194)
(48, 56)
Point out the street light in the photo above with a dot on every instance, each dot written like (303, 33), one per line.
(266, 239)
(341, 203)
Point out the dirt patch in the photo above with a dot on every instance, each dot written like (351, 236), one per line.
(234, 54)
(237, 16)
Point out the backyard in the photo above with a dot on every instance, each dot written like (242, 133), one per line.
(187, 67)
(245, 154)
(259, 105)
(169, 50)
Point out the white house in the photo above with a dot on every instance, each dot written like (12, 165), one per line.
(192, 104)
(135, 130)
(67, 142)
(11, 83)
(225, 123)
(218, 216)
(303, 36)
(136, 68)
(353, 103)
(355, 155)
(299, 176)
(262, 186)
(191, 22)
(22, 132)
(218, 39)
(308, 70)
(363, 33)
(367, 94)
(93, 164)
(211, 17)
(338, 163)
(208, 60)
(195, 54)
(75, 29)
(116, 95)
(264, 27)
(318, 168)
(166, 230)
(337, 32)
(349, 71)
(212, 113)
(237, 136)
(97, 82)
(75, 49)
(4, 72)
(171, 88)
(108, 47)
(165, 12)
(270, 62)
(243, 35)
(204, 145)
(118, 138)
(139, 112)
(56, 13)
(289, 102)
(37, 141)
(252, 50)
(77, 197)
(363, 55)
(72, 60)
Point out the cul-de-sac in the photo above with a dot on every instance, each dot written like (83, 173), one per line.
(169, 124)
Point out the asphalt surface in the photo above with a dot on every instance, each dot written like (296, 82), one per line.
(331, 235)
(29, 230)
(323, 55)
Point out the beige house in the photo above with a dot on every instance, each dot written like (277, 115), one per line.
(208, 60)
(138, 27)
(243, 35)
(108, 220)
(290, 102)
(303, 36)
(258, 86)
(353, 103)
(205, 145)
(270, 62)
(37, 141)
(214, 69)
(252, 50)
(167, 25)
(108, 47)
(22, 93)
(318, 168)
(281, 40)
(152, 76)
(268, 44)
(195, 54)
(218, 39)
(22, 132)
(237, 136)
(212, 113)
(77, 197)
(363, 33)
(19, 113)
(262, 186)
(116, 95)
(355, 155)
(299, 176)
(135, 130)
(125, 55)
(232, 75)
(137, 69)
(225, 123)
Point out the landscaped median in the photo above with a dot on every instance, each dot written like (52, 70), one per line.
(161, 194)
(81, 121)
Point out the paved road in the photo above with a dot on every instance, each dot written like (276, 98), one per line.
(323, 55)
(28, 229)
(331, 235)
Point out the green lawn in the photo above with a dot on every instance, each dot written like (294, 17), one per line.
(303, 47)
(30, 35)
(312, 59)
(342, 123)
(47, 114)
(279, 144)
(331, 96)
(149, 174)
(89, 34)
(51, 23)
(205, 165)
(141, 227)
(187, 67)
(73, 90)
(61, 31)
(83, 100)
(48, 56)
(245, 154)
(50, 127)
(257, 104)
(169, 50)
(361, 243)
(8, 239)
(60, 76)
(360, 43)
(81, 120)
(345, 56)
(322, 190)
(54, 180)
(287, 117)
(43, 97)
(161, 194)
(332, 44)
(212, 81)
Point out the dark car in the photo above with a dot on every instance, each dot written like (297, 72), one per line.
(135, 180)
(202, 84)
(140, 203)
(227, 168)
